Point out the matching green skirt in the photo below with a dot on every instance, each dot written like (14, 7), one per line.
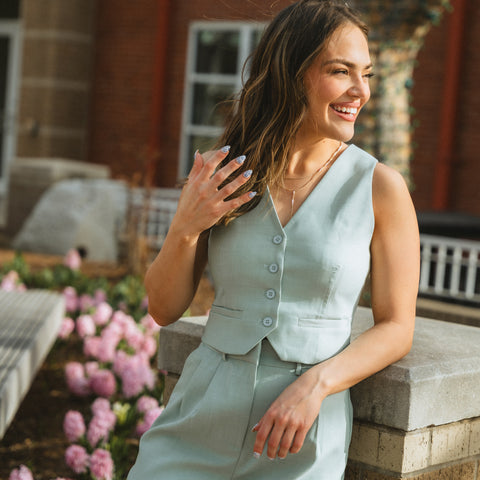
(205, 432)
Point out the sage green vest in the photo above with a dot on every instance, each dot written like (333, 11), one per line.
(299, 285)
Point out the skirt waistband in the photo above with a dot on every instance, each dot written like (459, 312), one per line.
(264, 354)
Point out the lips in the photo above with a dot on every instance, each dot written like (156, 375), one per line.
(346, 112)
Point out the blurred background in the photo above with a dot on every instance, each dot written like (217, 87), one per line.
(103, 103)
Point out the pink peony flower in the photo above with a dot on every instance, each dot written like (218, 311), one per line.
(91, 346)
(148, 420)
(91, 368)
(103, 383)
(146, 403)
(21, 473)
(76, 380)
(85, 326)
(73, 425)
(72, 259)
(101, 465)
(150, 325)
(99, 296)
(71, 299)
(67, 327)
(86, 302)
(76, 457)
(100, 405)
(102, 314)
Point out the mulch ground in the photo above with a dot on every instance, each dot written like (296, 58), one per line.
(35, 437)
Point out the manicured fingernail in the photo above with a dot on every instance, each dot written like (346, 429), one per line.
(240, 159)
(272, 459)
(256, 425)
(251, 195)
(195, 154)
(256, 455)
(247, 174)
(225, 149)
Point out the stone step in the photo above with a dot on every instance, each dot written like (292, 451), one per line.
(29, 322)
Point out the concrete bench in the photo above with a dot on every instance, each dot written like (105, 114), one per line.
(29, 322)
(417, 419)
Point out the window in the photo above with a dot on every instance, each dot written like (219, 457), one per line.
(9, 59)
(217, 52)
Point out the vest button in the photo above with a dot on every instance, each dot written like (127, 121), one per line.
(270, 294)
(267, 321)
(273, 268)
(277, 239)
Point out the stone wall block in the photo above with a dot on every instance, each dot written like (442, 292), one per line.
(365, 444)
(78, 16)
(474, 447)
(450, 443)
(51, 59)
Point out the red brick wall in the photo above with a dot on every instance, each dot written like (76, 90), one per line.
(120, 115)
(427, 100)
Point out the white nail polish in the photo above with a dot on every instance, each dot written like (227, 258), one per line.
(251, 195)
(247, 174)
(241, 159)
(256, 455)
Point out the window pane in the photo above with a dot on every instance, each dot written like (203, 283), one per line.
(209, 107)
(4, 46)
(9, 9)
(217, 52)
(197, 142)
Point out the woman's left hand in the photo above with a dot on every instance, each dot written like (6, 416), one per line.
(287, 421)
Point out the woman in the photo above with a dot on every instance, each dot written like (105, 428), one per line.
(291, 220)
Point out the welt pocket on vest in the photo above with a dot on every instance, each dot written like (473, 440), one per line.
(226, 311)
(322, 322)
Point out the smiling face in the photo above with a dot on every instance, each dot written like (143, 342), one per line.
(337, 85)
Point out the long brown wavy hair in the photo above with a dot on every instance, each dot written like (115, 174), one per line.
(267, 114)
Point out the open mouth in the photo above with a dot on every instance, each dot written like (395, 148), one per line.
(349, 113)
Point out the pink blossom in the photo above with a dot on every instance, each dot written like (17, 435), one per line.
(99, 429)
(103, 383)
(99, 296)
(135, 337)
(76, 380)
(102, 314)
(85, 326)
(73, 425)
(149, 346)
(136, 375)
(86, 302)
(108, 346)
(149, 418)
(76, 457)
(71, 299)
(120, 362)
(72, 259)
(91, 368)
(100, 405)
(145, 403)
(91, 346)
(144, 303)
(9, 281)
(101, 465)
(21, 473)
(150, 325)
(66, 328)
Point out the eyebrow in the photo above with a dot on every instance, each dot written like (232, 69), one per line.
(345, 62)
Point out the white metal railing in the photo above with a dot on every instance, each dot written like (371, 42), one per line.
(450, 268)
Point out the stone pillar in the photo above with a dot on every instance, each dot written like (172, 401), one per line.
(58, 41)
(417, 419)
(397, 32)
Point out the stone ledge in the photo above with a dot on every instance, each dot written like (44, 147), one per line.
(29, 322)
(436, 383)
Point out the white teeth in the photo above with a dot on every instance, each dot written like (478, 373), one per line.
(351, 110)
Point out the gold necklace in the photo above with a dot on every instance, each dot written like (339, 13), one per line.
(323, 167)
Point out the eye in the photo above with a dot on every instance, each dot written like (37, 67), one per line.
(369, 75)
(340, 71)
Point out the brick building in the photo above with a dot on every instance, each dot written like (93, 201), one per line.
(133, 85)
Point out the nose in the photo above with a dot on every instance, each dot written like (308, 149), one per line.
(360, 88)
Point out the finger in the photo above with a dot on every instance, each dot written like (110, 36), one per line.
(223, 173)
(298, 440)
(263, 430)
(239, 201)
(234, 185)
(197, 165)
(286, 442)
(276, 436)
(212, 163)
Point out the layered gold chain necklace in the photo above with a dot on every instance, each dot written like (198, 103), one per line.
(312, 176)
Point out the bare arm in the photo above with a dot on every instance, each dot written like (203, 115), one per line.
(395, 272)
(172, 279)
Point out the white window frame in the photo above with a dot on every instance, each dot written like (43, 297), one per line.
(246, 31)
(8, 124)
